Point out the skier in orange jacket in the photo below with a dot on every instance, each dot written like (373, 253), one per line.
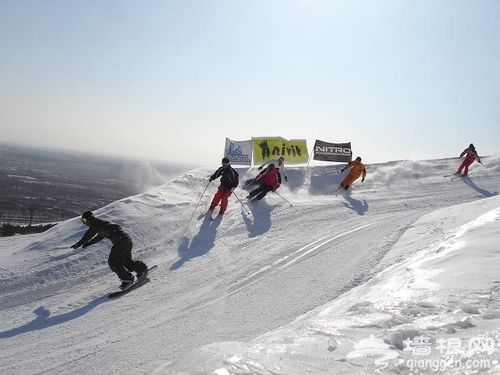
(470, 155)
(356, 169)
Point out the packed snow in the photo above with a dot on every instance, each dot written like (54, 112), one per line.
(401, 275)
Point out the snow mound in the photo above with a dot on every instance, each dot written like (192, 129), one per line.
(437, 294)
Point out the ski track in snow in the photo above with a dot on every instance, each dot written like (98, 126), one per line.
(253, 271)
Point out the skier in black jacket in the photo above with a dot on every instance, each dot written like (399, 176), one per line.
(120, 259)
(228, 182)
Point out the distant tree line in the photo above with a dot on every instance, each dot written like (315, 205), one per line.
(10, 229)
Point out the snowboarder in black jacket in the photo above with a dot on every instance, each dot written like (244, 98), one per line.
(228, 182)
(120, 259)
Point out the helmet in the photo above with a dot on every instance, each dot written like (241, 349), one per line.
(225, 160)
(87, 215)
(270, 166)
(471, 146)
(358, 159)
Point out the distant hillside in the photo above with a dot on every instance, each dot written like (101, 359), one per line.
(53, 185)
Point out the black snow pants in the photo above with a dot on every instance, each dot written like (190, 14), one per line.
(260, 192)
(120, 259)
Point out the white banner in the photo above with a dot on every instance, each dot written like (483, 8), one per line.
(238, 152)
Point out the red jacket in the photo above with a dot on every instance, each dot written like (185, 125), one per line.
(271, 178)
(470, 155)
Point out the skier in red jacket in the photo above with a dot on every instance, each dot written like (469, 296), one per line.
(270, 181)
(278, 164)
(470, 155)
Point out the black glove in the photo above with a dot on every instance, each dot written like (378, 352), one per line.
(75, 246)
(342, 170)
(363, 179)
(210, 179)
(260, 168)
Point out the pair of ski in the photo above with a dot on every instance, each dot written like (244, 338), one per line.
(251, 184)
(248, 198)
(341, 191)
(137, 283)
(453, 176)
(214, 214)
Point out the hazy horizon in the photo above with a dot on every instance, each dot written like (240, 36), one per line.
(118, 157)
(401, 80)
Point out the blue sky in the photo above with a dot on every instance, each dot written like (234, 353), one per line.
(169, 80)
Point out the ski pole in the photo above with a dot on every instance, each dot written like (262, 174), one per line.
(282, 197)
(248, 212)
(197, 204)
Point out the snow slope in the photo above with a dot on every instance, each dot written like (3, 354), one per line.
(333, 284)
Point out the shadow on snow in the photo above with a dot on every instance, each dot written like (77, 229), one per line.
(261, 218)
(359, 206)
(201, 243)
(44, 320)
(481, 191)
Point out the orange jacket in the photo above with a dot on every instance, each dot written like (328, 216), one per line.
(357, 169)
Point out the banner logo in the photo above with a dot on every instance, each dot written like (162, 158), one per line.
(238, 152)
(326, 151)
(265, 149)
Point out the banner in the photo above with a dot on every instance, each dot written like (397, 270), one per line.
(332, 151)
(238, 152)
(268, 148)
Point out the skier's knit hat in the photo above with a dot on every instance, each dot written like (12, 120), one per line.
(87, 215)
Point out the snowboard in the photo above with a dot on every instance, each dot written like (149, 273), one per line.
(137, 283)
